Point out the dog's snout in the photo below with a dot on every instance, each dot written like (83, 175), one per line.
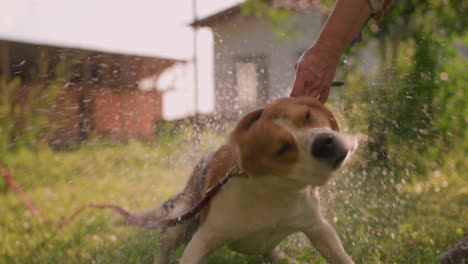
(324, 146)
(333, 148)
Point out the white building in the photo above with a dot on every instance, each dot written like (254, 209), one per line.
(252, 66)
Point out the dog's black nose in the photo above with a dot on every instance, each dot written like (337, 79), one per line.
(329, 148)
(324, 146)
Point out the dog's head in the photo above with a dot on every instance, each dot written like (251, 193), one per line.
(296, 138)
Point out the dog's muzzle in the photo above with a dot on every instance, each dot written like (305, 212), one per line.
(333, 147)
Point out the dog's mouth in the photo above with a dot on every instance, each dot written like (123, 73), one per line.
(339, 160)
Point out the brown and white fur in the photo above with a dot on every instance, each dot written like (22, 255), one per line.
(285, 150)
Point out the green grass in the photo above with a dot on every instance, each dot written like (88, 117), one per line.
(412, 223)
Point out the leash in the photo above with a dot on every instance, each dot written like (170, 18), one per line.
(10, 183)
(209, 194)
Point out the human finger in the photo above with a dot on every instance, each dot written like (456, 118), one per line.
(312, 89)
(325, 92)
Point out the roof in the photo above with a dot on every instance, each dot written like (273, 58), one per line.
(218, 17)
(24, 55)
(229, 13)
(143, 28)
(113, 52)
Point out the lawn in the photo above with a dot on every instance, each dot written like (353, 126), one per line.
(406, 222)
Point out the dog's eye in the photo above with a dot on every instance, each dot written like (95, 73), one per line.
(285, 147)
(307, 117)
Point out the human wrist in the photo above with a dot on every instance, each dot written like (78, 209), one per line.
(327, 49)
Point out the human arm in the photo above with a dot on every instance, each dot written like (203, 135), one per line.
(316, 68)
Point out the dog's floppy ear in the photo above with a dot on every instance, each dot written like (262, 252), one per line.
(247, 121)
(243, 126)
(240, 134)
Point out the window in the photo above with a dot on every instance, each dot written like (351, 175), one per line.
(251, 81)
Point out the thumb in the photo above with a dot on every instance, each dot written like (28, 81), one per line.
(298, 87)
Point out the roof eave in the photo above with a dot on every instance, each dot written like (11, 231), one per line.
(218, 17)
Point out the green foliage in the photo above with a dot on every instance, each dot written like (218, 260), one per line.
(23, 112)
(280, 19)
(407, 105)
(6, 123)
(451, 100)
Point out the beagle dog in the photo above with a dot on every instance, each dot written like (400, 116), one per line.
(284, 150)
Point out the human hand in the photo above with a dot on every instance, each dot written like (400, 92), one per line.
(315, 70)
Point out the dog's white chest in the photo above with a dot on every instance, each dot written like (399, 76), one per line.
(255, 216)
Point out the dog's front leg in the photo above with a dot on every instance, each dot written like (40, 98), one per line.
(324, 238)
(200, 246)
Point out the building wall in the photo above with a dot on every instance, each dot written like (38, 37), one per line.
(249, 37)
(81, 110)
(127, 114)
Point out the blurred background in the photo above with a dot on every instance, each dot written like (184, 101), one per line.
(103, 100)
